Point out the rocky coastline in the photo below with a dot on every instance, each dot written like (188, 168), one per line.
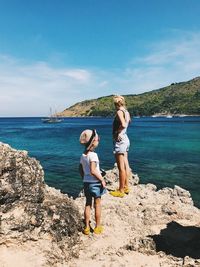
(40, 226)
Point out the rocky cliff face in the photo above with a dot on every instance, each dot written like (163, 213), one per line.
(33, 215)
(41, 227)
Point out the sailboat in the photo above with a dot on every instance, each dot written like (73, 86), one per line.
(52, 118)
(169, 116)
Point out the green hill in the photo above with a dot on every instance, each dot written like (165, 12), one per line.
(177, 98)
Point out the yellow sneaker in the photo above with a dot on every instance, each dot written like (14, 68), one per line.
(86, 231)
(127, 190)
(117, 193)
(98, 230)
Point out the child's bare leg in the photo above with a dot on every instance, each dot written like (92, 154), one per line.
(97, 206)
(87, 211)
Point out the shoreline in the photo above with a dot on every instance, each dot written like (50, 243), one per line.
(157, 115)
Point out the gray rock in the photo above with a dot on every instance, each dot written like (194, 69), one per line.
(30, 210)
(112, 178)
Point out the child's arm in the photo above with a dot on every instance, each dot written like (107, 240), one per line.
(81, 170)
(95, 173)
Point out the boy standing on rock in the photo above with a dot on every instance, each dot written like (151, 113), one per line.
(94, 184)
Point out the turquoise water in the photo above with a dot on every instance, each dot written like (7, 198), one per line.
(163, 151)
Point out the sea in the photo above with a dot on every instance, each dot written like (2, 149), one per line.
(164, 151)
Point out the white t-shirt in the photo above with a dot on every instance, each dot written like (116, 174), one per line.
(85, 161)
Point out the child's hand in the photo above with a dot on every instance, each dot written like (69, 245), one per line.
(103, 183)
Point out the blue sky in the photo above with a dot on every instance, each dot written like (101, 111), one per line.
(56, 53)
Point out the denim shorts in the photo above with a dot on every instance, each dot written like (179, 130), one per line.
(122, 146)
(94, 190)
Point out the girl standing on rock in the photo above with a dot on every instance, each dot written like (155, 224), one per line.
(94, 184)
(121, 145)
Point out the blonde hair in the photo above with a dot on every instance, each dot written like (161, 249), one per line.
(119, 100)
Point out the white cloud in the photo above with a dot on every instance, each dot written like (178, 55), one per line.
(178, 47)
(78, 75)
(31, 89)
(173, 60)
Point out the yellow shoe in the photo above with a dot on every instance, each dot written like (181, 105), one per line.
(127, 190)
(86, 231)
(98, 230)
(117, 193)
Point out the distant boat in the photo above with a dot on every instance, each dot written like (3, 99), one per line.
(162, 115)
(52, 118)
(182, 115)
(156, 115)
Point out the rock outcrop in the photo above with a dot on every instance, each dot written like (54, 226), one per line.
(33, 216)
(41, 227)
(146, 228)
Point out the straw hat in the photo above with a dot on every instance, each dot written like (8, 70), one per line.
(88, 137)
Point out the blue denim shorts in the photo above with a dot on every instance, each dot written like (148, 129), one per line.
(122, 146)
(94, 190)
